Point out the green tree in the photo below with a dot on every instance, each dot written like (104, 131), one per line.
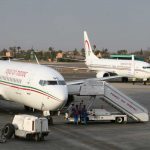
(51, 49)
(75, 52)
(83, 52)
(39, 55)
(105, 53)
(18, 48)
(141, 52)
(13, 49)
(4, 52)
(122, 52)
(28, 55)
(97, 52)
(52, 53)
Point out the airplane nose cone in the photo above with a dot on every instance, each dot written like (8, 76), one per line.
(62, 95)
(59, 97)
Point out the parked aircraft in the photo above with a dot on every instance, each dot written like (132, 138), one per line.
(134, 69)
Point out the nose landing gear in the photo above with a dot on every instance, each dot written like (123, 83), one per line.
(48, 116)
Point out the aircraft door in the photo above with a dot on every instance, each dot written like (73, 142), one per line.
(28, 83)
(131, 72)
(132, 66)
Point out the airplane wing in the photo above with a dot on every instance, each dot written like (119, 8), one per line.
(73, 59)
(74, 87)
(67, 67)
(78, 82)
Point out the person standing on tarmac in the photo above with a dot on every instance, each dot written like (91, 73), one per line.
(76, 115)
(71, 110)
(84, 114)
(80, 109)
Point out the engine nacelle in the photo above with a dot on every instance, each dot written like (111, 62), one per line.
(102, 74)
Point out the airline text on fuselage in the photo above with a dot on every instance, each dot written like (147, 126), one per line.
(14, 72)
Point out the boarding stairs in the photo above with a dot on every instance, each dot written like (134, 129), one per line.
(112, 96)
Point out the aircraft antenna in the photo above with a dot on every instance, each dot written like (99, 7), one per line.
(36, 59)
(33, 54)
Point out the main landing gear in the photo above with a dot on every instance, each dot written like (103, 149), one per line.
(124, 79)
(145, 80)
(27, 108)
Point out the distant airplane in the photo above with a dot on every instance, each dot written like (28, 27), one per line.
(125, 68)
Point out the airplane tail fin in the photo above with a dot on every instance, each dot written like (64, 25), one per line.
(89, 55)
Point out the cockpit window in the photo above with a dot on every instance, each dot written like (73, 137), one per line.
(52, 82)
(61, 82)
(42, 82)
(146, 67)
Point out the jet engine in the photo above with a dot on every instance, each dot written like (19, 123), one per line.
(102, 74)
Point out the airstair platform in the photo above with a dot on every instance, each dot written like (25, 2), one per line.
(112, 96)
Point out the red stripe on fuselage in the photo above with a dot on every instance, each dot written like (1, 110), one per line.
(29, 89)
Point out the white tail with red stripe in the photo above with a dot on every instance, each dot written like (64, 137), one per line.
(90, 56)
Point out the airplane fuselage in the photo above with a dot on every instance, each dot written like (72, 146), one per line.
(126, 68)
(33, 85)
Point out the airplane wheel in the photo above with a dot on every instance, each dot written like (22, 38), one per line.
(50, 121)
(119, 120)
(124, 79)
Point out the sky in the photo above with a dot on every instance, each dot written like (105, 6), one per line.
(111, 24)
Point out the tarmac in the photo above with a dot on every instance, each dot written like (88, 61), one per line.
(93, 136)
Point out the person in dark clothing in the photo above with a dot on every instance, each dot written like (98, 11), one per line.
(71, 110)
(76, 114)
(84, 114)
(80, 109)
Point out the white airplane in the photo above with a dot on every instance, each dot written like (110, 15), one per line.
(33, 85)
(125, 68)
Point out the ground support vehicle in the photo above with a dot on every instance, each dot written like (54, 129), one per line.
(27, 126)
(114, 97)
(100, 115)
(103, 115)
